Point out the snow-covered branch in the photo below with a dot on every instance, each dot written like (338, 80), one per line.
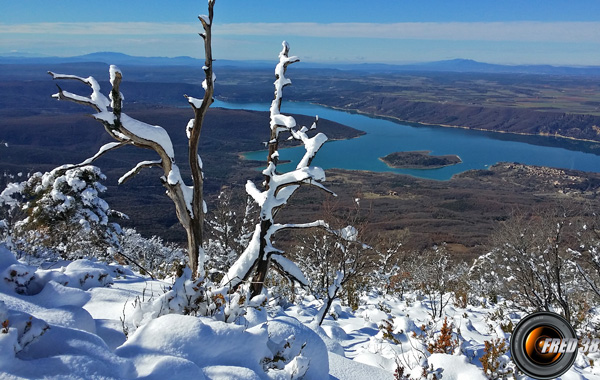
(140, 165)
(312, 144)
(96, 100)
(289, 269)
(122, 127)
(277, 120)
(318, 223)
(103, 149)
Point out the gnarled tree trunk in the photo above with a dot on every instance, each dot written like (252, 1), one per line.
(189, 203)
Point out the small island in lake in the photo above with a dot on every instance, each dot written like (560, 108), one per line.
(419, 160)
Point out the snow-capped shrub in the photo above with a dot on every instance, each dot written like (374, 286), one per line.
(387, 328)
(29, 280)
(155, 256)
(19, 278)
(10, 211)
(485, 280)
(63, 213)
(229, 227)
(337, 264)
(198, 297)
(219, 259)
(281, 291)
(392, 267)
(15, 276)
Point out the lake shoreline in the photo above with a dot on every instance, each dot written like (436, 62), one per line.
(476, 149)
(424, 124)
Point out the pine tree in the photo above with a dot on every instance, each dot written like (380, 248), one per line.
(66, 215)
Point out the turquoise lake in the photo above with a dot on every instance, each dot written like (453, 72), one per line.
(477, 149)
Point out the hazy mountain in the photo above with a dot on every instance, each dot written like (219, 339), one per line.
(454, 65)
(468, 65)
(465, 66)
(124, 59)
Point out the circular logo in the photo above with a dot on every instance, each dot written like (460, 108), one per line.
(544, 345)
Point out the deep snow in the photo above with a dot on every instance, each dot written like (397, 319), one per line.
(65, 322)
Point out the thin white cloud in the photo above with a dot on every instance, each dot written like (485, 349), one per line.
(99, 28)
(457, 31)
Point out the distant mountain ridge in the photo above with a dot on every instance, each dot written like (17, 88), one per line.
(469, 65)
(453, 65)
(124, 59)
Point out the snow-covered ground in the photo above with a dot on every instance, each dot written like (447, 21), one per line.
(67, 322)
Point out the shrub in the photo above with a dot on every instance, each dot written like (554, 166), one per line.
(494, 361)
(445, 343)
(63, 214)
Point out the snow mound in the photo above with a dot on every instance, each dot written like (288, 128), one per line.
(86, 274)
(332, 336)
(403, 324)
(456, 367)
(374, 315)
(33, 347)
(346, 369)
(185, 340)
(229, 373)
(55, 295)
(335, 332)
(16, 277)
(280, 349)
(291, 338)
(63, 350)
(179, 336)
(7, 258)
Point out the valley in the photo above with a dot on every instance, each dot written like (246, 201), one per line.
(42, 133)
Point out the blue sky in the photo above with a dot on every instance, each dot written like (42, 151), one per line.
(391, 31)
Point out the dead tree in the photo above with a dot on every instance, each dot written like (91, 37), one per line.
(254, 262)
(188, 200)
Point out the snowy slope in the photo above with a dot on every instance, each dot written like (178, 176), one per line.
(65, 323)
